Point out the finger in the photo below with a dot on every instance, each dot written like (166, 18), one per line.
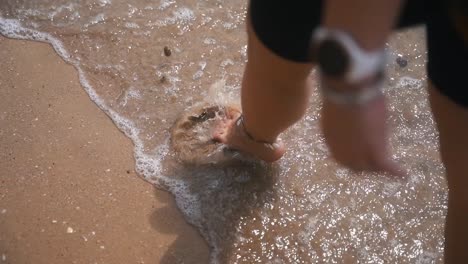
(380, 160)
(390, 166)
(355, 165)
(372, 164)
(360, 167)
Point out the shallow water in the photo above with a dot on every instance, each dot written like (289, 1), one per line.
(305, 208)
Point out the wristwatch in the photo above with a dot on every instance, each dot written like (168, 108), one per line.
(339, 57)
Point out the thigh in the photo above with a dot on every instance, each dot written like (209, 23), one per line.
(285, 27)
(447, 54)
(452, 123)
(266, 66)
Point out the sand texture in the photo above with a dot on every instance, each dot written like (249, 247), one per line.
(68, 190)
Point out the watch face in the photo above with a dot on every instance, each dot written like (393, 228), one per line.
(332, 58)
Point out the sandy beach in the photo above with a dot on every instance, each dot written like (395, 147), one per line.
(68, 189)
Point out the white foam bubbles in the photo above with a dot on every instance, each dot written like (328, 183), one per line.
(12, 28)
(408, 82)
(165, 4)
(147, 165)
(96, 20)
(181, 15)
(104, 2)
(131, 25)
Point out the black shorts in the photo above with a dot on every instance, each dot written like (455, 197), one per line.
(285, 28)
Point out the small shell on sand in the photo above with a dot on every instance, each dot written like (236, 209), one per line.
(191, 135)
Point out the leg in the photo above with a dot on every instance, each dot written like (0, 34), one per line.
(452, 122)
(275, 91)
(275, 95)
(275, 88)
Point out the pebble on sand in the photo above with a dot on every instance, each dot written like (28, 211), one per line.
(402, 62)
(167, 51)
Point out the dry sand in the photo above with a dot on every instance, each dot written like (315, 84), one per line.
(68, 191)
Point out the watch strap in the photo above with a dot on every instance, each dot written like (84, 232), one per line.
(362, 63)
(353, 97)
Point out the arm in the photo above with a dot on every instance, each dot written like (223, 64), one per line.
(357, 134)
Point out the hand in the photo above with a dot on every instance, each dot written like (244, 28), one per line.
(357, 135)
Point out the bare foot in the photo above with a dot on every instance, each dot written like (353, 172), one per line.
(231, 132)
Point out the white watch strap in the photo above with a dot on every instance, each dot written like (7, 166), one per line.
(362, 63)
(354, 97)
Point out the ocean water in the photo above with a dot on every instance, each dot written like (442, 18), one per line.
(146, 62)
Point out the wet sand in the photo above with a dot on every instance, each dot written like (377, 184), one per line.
(68, 190)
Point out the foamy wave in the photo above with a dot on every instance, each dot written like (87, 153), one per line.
(182, 15)
(12, 28)
(307, 209)
(147, 165)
